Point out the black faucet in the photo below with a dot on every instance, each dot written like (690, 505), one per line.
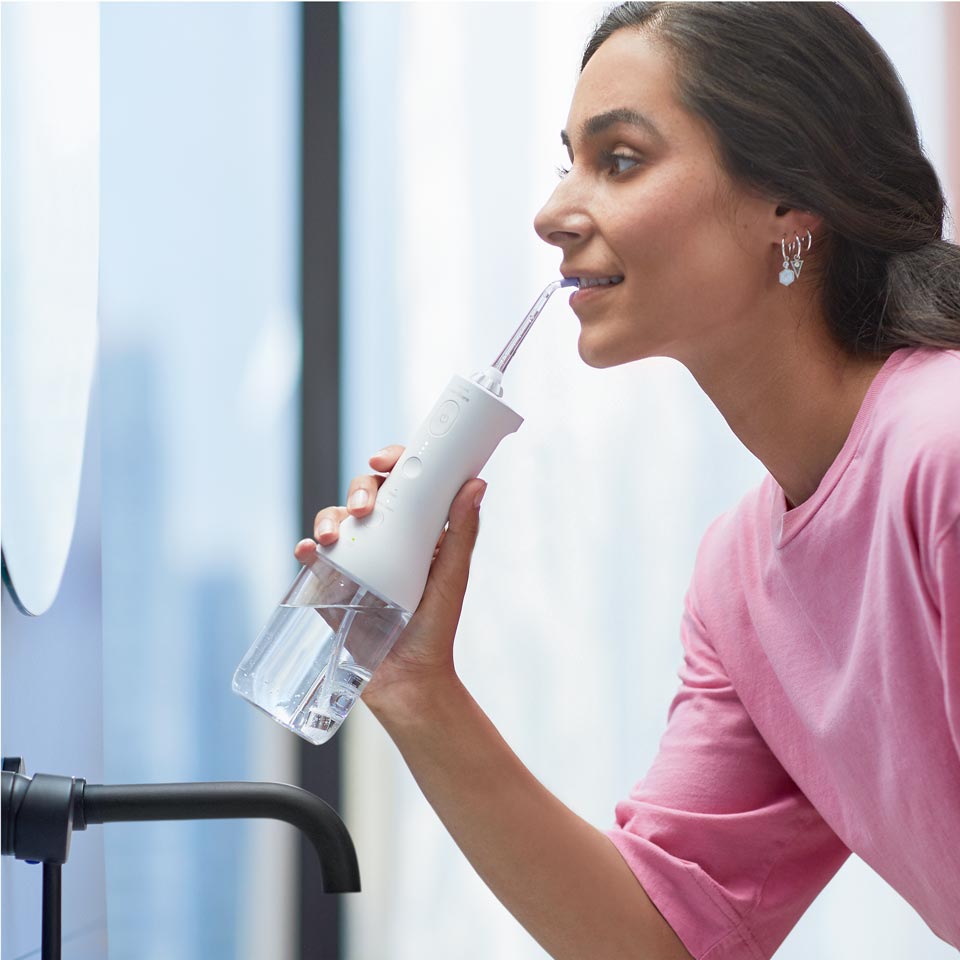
(40, 813)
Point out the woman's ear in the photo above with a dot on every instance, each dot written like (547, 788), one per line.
(794, 222)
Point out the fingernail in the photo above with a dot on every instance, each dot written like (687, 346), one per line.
(325, 526)
(358, 500)
(478, 498)
(380, 453)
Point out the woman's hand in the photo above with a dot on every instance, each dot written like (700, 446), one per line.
(424, 652)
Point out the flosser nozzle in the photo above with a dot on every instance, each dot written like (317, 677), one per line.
(490, 377)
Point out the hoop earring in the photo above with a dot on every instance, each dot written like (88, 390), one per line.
(792, 264)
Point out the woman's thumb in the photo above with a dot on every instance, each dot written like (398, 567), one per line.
(447, 581)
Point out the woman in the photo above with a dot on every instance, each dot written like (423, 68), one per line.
(750, 178)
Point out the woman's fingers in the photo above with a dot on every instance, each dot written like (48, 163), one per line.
(361, 497)
(362, 493)
(305, 551)
(326, 524)
(386, 459)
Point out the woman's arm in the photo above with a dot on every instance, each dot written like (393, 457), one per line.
(559, 876)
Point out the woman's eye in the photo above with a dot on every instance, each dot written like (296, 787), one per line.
(619, 163)
(615, 163)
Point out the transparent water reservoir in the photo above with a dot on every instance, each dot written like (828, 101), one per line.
(318, 651)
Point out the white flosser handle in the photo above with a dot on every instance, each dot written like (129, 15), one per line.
(390, 550)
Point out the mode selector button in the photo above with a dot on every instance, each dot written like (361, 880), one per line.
(443, 419)
(412, 467)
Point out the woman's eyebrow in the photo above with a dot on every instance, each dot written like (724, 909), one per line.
(602, 121)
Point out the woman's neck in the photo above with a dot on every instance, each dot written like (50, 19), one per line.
(791, 400)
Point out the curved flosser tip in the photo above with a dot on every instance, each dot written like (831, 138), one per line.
(506, 355)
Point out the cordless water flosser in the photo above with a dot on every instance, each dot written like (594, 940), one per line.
(306, 671)
(391, 548)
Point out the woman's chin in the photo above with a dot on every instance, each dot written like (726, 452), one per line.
(598, 355)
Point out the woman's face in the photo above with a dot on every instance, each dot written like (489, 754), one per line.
(643, 200)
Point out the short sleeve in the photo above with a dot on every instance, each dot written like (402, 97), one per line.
(947, 592)
(721, 839)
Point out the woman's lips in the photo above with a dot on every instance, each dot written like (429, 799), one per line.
(588, 294)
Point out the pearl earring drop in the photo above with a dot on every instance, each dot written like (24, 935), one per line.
(792, 264)
(787, 276)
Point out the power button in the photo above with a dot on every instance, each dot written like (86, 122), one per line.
(443, 419)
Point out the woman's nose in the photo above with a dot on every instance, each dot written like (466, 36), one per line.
(562, 220)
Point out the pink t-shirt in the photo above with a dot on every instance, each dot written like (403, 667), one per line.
(819, 706)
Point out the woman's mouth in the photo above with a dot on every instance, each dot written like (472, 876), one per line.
(592, 287)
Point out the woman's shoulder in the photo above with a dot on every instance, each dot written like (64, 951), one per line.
(735, 532)
(914, 442)
(920, 400)
(917, 419)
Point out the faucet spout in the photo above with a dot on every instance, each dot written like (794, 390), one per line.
(340, 873)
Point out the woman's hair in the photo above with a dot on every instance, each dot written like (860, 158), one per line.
(807, 109)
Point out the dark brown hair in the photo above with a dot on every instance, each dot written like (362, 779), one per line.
(807, 109)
